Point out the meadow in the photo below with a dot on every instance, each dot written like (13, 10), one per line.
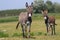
(38, 30)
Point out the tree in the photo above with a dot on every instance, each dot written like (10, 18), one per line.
(57, 7)
(49, 6)
(41, 5)
(38, 5)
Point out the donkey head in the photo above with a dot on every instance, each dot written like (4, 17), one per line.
(29, 8)
(45, 12)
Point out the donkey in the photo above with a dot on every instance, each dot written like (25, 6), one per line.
(25, 19)
(49, 21)
(52, 24)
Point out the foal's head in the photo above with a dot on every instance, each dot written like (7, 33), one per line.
(29, 8)
(44, 12)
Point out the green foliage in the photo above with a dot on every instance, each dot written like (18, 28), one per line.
(45, 34)
(38, 5)
(13, 12)
(32, 34)
(16, 35)
(36, 33)
(57, 7)
(8, 19)
(2, 34)
(50, 6)
(41, 5)
(39, 33)
(36, 16)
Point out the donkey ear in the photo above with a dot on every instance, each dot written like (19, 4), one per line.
(26, 4)
(32, 4)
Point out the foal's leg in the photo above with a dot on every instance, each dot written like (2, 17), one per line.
(54, 29)
(51, 29)
(47, 27)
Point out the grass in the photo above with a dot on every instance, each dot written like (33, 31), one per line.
(38, 30)
(2, 34)
(8, 19)
(17, 35)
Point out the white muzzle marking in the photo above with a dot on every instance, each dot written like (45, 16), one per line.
(45, 18)
(30, 15)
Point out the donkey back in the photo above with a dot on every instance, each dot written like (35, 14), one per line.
(51, 19)
(23, 17)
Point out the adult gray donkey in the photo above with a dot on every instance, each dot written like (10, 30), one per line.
(25, 19)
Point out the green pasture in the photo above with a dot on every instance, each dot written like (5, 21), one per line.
(38, 29)
(34, 17)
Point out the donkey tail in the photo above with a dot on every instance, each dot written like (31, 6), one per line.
(17, 25)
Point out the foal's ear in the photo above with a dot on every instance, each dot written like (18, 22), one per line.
(32, 4)
(26, 4)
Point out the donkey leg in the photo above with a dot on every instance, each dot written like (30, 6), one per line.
(17, 25)
(23, 31)
(54, 29)
(29, 29)
(47, 27)
(51, 29)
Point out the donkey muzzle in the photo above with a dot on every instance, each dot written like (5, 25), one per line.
(30, 15)
(45, 18)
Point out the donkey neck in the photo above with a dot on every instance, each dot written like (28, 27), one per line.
(29, 13)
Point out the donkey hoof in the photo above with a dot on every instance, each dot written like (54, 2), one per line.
(24, 36)
(28, 36)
